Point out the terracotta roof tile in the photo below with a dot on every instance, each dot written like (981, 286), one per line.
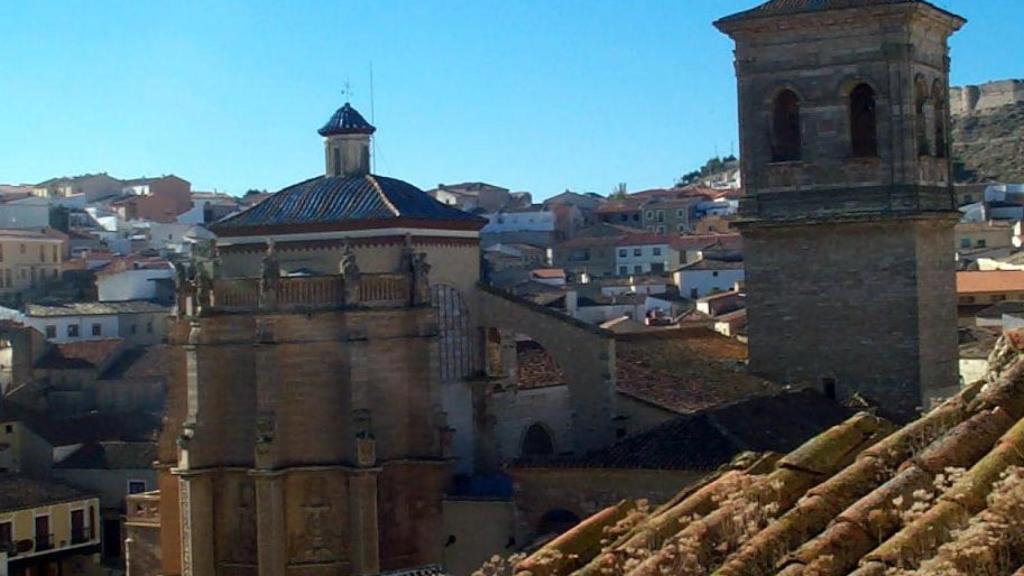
(860, 499)
(982, 282)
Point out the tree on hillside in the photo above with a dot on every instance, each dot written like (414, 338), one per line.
(619, 192)
(712, 166)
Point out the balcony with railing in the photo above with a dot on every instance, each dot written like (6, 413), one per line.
(44, 542)
(81, 535)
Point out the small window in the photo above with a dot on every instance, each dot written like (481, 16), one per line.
(134, 329)
(636, 217)
(21, 248)
(9, 428)
(785, 142)
(656, 251)
(661, 215)
(863, 122)
(680, 213)
(6, 534)
(965, 242)
(661, 229)
(714, 273)
(650, 214)
(638, 269)
(97, 329)
(136, 486)
(623, 270)
(622, 252)
(55, 258)
(51, 331)
(1, 252)
(638, 251)
(981, 243)
(72, 330)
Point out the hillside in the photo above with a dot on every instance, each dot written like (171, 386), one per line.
(988, 133)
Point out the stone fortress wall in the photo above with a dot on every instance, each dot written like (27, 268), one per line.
(985, 97)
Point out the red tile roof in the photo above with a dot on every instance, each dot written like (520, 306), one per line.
(550, 273)
(84, 354)
(942, 495)
(992, 281)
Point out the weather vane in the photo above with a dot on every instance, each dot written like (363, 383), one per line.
(346, 90)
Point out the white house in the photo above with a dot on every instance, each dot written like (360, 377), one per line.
(138, 322)
(132, 279)
(705, 276)
(648, 256)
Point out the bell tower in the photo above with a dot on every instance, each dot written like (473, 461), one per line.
(848, 210)
(347, 143)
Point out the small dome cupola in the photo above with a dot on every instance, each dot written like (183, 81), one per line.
(347, 143)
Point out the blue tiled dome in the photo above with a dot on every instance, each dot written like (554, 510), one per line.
(338, 202)
(347, 120)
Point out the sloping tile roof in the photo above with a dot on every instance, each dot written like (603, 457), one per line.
(708, 439)
(686, 369)
(78, 355)
(346, 120)
(19, 492)
(793, 7)
(96, 308)
(339, 201)
(142, 362)
(132, 427)
(981, 282)
(113, 455)
(942, 495)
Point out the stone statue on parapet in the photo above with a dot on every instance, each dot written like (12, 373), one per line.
(420, 279)
(270, 277)
(349, 270)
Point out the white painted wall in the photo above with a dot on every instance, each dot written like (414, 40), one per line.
(706, 281)
(629, 257)
(519, 222)
(109, 326)
(130, 284)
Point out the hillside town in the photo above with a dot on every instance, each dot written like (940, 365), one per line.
(804, 359)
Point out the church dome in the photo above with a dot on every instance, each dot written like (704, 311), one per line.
(345, 203)
(346, 120)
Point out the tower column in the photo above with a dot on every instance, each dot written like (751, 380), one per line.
(195, 496)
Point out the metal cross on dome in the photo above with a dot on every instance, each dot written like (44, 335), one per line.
(346, 91)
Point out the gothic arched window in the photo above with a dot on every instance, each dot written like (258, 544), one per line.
(921, 117)
(863, 122)
(939, 102)
(786, 127)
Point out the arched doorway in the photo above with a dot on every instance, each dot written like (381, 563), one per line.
(537, 442)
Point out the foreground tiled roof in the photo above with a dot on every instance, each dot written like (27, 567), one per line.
(708, 439)
(942, 495)
(337, 202)
(19, 492)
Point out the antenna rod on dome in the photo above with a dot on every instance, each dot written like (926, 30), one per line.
(373, 120)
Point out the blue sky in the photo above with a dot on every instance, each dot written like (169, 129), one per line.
(542, 95)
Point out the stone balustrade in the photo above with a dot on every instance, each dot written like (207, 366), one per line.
(291, 294)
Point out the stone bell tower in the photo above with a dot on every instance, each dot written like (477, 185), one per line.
(347, 143)
(848, 211)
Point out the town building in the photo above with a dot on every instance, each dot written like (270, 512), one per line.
(135, 278)
(334, 452)
(978, 289)
(87, 188)
(670, 215)
(983, 235)
(645, 254)
(473, 196)
(29, 260)
(846, 162)
(160, 199)
(25, 211)
(708, 276)
(140, 322)
(534, 225)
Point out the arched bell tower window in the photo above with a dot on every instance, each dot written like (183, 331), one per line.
(863, 122)
(939, 102)
(786, 146)
(921, 117)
